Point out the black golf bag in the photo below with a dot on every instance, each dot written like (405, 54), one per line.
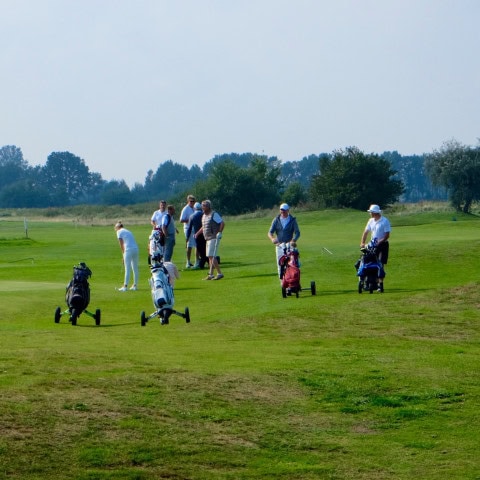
(78, 290)
(77, 296)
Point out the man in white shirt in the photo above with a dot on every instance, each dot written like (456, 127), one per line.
(379, 228)
(157, 216)
(185, 214)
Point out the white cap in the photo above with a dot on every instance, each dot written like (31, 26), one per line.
(374, 209)
(284, 206)
(197, 206)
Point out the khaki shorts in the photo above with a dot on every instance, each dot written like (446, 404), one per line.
(212, 245)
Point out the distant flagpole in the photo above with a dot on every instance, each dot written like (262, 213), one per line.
(25, 225)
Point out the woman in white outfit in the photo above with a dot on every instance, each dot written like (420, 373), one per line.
(129, 249)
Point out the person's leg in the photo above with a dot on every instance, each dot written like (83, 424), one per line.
(216, 265)
(210, 250)
(202, 251)
(127, 260)
(278, 254)
(169, 243)
(135, 267)
(383, 259)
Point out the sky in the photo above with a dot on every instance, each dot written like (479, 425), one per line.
(129, 84)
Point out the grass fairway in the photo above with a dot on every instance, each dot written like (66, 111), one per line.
(336, 386)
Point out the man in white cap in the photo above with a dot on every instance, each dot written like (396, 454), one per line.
(379, 228)
(284, 229)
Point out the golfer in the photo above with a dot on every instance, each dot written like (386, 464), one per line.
(212, 228)
(129, 248)
(284, 229)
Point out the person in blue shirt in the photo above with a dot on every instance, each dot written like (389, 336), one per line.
(284, 229)
(169, 230)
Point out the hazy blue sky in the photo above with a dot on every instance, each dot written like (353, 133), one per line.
(128, 84)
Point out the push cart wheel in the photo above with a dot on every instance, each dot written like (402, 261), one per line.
(74, 316)
(313, 288)
(187, 315)
(58, 314)
(143, 319)
(284, 292)
(98, 316)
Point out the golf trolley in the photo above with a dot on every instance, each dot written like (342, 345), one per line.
(369, 270)
(77, 296)
(161, 289)
(290, 272)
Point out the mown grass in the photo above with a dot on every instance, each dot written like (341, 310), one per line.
(336, 386)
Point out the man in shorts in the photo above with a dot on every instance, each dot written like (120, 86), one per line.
(212, 228)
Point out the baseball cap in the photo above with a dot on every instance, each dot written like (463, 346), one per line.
(284, 206)
(374, 209)
(197, 206)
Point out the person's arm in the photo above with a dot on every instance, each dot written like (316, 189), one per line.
(164, 227)
(363, 239)
(184, 216)
(271, 232)
(296, 231)
(384, 239)
(122, 245)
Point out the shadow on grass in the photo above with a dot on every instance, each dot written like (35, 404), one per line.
(388, 291)
(102, 325)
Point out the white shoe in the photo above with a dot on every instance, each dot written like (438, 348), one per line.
(133, 288)
(189, 265)
(122, 289)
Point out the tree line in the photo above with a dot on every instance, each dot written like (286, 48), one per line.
(241, 183)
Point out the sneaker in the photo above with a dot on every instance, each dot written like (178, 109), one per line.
(380, 289)
(133, 288)
(209, 277)
(122, 289)
(189, 265)
(219, 276)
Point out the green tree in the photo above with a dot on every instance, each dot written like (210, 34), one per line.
(24, 193)
(13, 167)
(234, 189)
(295, 194)
(116, 192)
(169, 180)
(68, 179)
(351, 178)
(300, 171)
(457, 168)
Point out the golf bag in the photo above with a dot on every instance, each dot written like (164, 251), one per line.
(77, 296)
(290, 268)
(289, 264)
(78, 290)
(369, 269)
(156, 244)
(162, 292)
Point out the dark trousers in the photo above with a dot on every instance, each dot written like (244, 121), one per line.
(382, 252)
(201, 251)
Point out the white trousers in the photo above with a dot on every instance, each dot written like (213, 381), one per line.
(130, 260)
